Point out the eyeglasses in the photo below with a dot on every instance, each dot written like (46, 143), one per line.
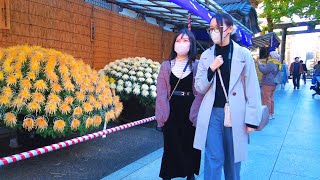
(216, 29)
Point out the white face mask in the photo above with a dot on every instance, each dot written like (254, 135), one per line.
(215, 36)
(182, 48)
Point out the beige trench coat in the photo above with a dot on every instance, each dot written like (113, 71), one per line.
(242, 111)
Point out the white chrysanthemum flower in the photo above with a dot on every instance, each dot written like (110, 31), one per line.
(145, 93)
(128, 84)
(101, 72)
(118, 74)
(132, 72)
(125, 70)
(140, 68)
(148, 75)
(125, 77)
(136, 91)
(110, 64)
(149, 81)
(149, 70)
(153, 87)
(153, 94)
(133, 78)
(128, 90)
(155, 76)
(140, 74)
(113, 72)
(119, 88)
(121, 64)
(149, 61)
(144, 87)
(136, 85)
(119, 68)
(141, 79)
(120, 82)
(113, 86)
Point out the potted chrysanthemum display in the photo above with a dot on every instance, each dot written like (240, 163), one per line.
(51, 93)
(134, 80)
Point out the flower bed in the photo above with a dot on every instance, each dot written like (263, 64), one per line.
(50, 93)
(134, 80)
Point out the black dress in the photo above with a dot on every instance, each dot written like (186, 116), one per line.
(180, 159)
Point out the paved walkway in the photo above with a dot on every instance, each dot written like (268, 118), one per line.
(288, 148)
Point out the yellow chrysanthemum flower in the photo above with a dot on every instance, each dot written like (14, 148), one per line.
(69, 100)
(68, 86)
(106, 78)
(4, 100)
(31, 75)
(77, 111)
(10, 119)
(25, 84)
(80, 96)
(91, 99)
(34, 107)
(38, 97)
(97, 105)
(96, 121)
(41, 123)
(28, 124)
(65, 108)
(56, 88)
(40, 85)
(118, 109)
(7, 91)
(22, 58)
(116, 99)
(59, 125)
(51, 108)
(75, 123)
(87, 107)
(89, 122)
(63, 69)
(112, 80)
(34, 66)
(52, 77)
(55, 99)
(24, 94)
(90, 88)
(18, 103)
(1, 76)
(11, 80)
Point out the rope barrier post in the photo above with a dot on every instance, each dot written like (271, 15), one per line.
(104, 128)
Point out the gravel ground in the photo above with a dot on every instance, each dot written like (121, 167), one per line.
(93, 159)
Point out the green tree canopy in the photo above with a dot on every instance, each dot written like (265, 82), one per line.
(274, 10)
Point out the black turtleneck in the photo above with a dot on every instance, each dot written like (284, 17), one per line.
(225, 68)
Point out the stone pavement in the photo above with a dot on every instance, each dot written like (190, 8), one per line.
(288, 148)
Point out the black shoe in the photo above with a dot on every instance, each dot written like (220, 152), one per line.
(298, 88)
(294, 87)
(166, 178)
(191, 177)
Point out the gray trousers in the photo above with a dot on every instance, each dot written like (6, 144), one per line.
(219, 150)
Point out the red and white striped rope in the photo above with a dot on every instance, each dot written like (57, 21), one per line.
(60, 145)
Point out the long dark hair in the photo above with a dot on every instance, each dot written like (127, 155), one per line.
(227, 19)
(193, 46)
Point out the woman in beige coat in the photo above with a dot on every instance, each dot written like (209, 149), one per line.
(226, 146)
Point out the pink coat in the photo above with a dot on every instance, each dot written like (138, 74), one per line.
(163, 94)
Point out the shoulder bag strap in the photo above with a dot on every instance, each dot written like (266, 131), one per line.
(223, 87)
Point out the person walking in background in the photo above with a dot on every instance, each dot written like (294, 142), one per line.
(269, 72)
(177, 104)
(226, 146)
(316, 68)
(296, 70)
(285, 76)
(305, 70)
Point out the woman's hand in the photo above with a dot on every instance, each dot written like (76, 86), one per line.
(218, 61)
(249, 130)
